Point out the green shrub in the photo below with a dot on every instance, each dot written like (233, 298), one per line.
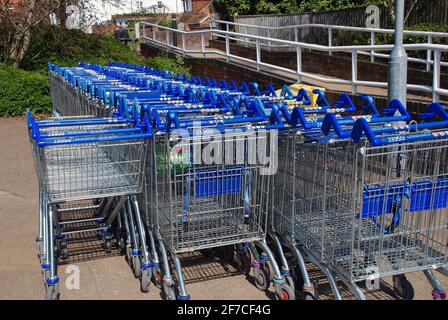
(68, 47)
(21, 90)
(28, 87)
(164, 62)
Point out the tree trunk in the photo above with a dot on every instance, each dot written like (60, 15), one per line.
(22, 36)
(62, 13)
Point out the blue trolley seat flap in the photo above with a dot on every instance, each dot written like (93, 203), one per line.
(219, 182)
(423, 196)
(377, 202)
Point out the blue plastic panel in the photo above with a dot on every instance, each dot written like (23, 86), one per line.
(219, 182)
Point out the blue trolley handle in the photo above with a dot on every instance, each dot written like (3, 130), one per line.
(332, 122)
(68, 141)
(362, 128)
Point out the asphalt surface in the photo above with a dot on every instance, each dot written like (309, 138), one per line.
(108, 276)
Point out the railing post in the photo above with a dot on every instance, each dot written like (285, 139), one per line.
(330, 39)
(167, 38)
(202, 45)
(153, 33)
(299, 63)
(428, 55)
(372, 43)
(354, 71)
(436, 75)
(183, 43)
(257, 47)
(227, 47)
(269, 42)
(296, 34)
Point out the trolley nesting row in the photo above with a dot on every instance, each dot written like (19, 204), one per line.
(337, 199)
(364, 199)
(232, 190)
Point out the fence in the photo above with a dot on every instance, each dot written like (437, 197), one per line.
(418, 12)
(434, 11)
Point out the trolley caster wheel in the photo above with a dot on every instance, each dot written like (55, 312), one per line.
(39, 248)
(108, 245)
(267, 266)
(45, 275)
(121, 246)
(145, 280)
(261, 279)
(136, 268)
(169, 293)
(284, 292)
(438, 295)
(128, 257)
(290, 282)
(308, 296)
(158, 277)
(403, 289)
(64, 253)
(243, 262)
(52, 293)
(226, 253)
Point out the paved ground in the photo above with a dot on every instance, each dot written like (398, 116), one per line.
(102, 276)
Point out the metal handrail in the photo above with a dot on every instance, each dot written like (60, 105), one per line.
(436, 90)
(336, 27)
(430, 35)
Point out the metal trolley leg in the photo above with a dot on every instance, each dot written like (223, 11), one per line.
(52, 280)
(333, 284)
(308, 286)
(135, 251)
(146, 265)
(437, 293)
(183, 295)
(168, 283)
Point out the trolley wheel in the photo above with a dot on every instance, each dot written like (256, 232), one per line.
(52, 293)
(290, 282)
(39, 248)
(308, 296)
(267, 266)
(136, 267)
(64, 252)
(284, 292)
(169, 293)
(261, 279)
(227, 253)
(243, 261)
(403, 289)
(158, 277)
(145, 280)
(128, 257)
(120, 241)
(108, 245)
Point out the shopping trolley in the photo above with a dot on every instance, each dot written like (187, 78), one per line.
(366, 207)
(193, 204)
(86, 164)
